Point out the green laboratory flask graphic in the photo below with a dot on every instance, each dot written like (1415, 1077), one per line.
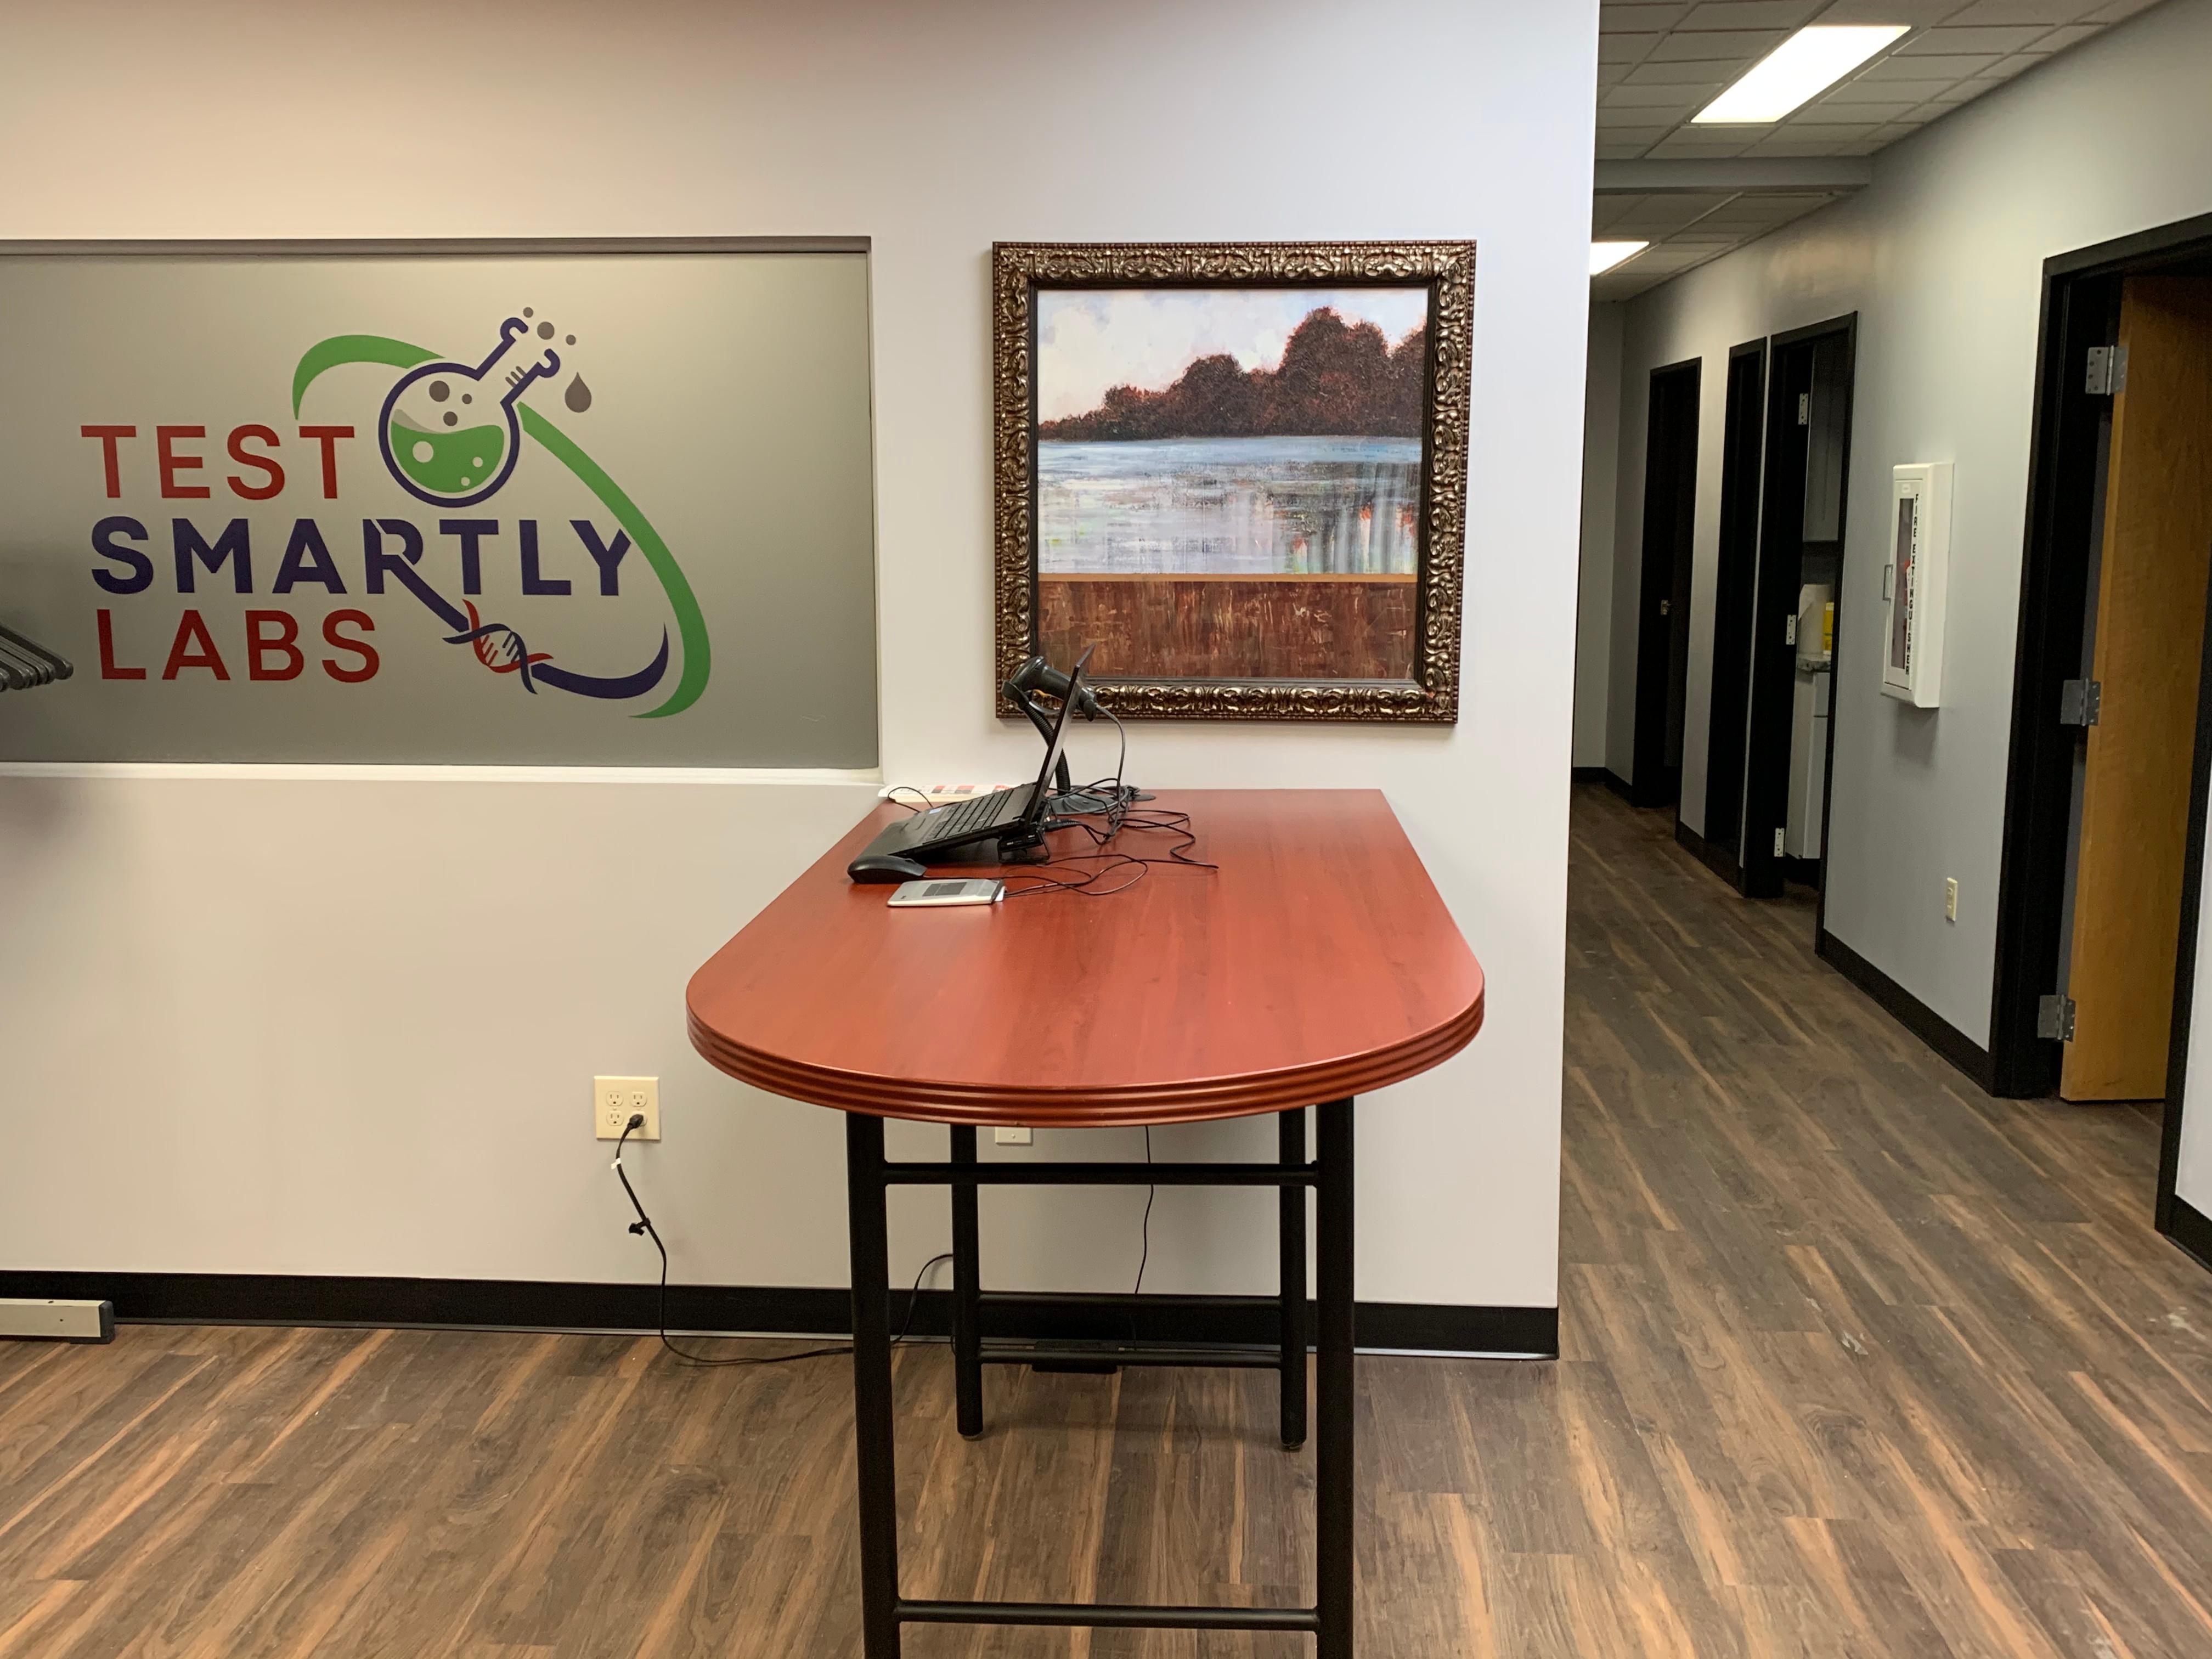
(450, 434)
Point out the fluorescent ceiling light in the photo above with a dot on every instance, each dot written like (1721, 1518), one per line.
(1808, 62)
(1604, 256)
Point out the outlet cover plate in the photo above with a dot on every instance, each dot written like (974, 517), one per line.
(1013, 1137)
(613, 1099)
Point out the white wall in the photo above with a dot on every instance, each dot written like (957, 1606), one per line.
(330, 1025)
(1600, 469)
(1941, 258)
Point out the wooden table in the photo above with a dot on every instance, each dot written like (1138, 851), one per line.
(1314, 962)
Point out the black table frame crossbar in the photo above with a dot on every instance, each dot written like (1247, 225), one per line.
(869, 1178)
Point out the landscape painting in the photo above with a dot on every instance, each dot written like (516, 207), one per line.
(1230, 490)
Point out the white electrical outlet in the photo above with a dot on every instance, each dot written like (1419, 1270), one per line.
(614, 1098)
(1950, 898)
(1014, 1137)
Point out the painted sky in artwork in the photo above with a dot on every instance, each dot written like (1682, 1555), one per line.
(1089, 340)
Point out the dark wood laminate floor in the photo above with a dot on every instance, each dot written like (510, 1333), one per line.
(1858, 1362)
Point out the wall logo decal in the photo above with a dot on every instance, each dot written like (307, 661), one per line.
(452, 435)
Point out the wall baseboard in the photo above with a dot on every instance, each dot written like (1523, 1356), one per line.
(1604, 775)
(531, 1304)
(2191, 1229)
(1916, 1016)
(1718, 859)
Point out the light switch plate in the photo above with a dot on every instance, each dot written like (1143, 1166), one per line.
(1014, 1137)
(613, 1099)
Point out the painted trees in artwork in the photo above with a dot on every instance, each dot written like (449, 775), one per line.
(1334, 380)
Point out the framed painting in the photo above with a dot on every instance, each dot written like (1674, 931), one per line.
(1236, 471)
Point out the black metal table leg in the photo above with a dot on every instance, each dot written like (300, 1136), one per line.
(869, 1178)
(1291, 1131)
(1333, 1456)
(872, 1385)
(967, 1290)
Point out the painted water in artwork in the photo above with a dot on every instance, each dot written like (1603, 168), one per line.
(1228, 481)
(1255, 507)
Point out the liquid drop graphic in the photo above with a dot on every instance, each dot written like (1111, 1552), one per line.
(578, 397)
(436, 459)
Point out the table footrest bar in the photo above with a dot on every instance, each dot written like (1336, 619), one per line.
(1047, 1173)
(1105, 1616)
(997, 1351)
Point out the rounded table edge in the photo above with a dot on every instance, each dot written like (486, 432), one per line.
(1131, 1105)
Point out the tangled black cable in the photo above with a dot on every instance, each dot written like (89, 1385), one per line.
(644, 1224)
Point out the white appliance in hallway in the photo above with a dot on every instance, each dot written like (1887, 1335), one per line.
(1808, 722)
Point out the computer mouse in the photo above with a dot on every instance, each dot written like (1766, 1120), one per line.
(884, 867)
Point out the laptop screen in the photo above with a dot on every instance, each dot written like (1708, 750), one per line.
(1060, 733)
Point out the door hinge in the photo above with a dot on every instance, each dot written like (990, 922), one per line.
(2079, 701)
(1778, 843)
(2108, 371)
(1789, 629)
(1804, 408)
(2054, 1018)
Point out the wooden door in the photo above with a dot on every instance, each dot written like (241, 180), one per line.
(2151, 589)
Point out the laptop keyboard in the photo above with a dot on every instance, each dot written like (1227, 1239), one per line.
(976, 813)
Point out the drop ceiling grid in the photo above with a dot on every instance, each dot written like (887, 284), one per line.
(1661, 63)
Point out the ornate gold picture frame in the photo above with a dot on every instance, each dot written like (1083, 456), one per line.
(1237, 470)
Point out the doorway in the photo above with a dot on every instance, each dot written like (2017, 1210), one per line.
(2112, 741)
(1663, 631)
(1736, 579)
(1790, 741)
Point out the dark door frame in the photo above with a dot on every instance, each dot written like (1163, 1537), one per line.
(1773, 657)
(1662, 621)
(2080, 309)
(1735, 575)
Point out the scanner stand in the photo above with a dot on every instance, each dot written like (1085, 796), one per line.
(1065, 799)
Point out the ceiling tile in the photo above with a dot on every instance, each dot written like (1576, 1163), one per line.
(2073, 35)
(1629, 95)
(1937, 42)
(1737, 46)
(1619, 19)
(2116, 9)
(1834, 131)
(1752, 13)
(1608, 151)
(1694, 144)
(1881, 92)
(1919, 13)
(1784, 145)
(1953, 66)
(1626, 48)
(1828, 110)
(1710, 76)
(2021, 11)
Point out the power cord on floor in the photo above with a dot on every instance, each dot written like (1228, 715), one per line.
(644, 1224)
(1151, 1193)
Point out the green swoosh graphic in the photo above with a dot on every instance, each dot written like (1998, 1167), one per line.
(690, 624)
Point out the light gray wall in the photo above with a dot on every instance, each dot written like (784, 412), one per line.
(1601, 467)
(299, 1022)
(1942, 258)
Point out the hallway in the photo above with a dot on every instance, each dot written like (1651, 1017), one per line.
(1910, 1372)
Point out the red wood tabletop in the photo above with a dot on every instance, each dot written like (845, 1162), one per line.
(1316, 962)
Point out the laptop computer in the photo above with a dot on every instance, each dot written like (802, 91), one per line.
(956, 833)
